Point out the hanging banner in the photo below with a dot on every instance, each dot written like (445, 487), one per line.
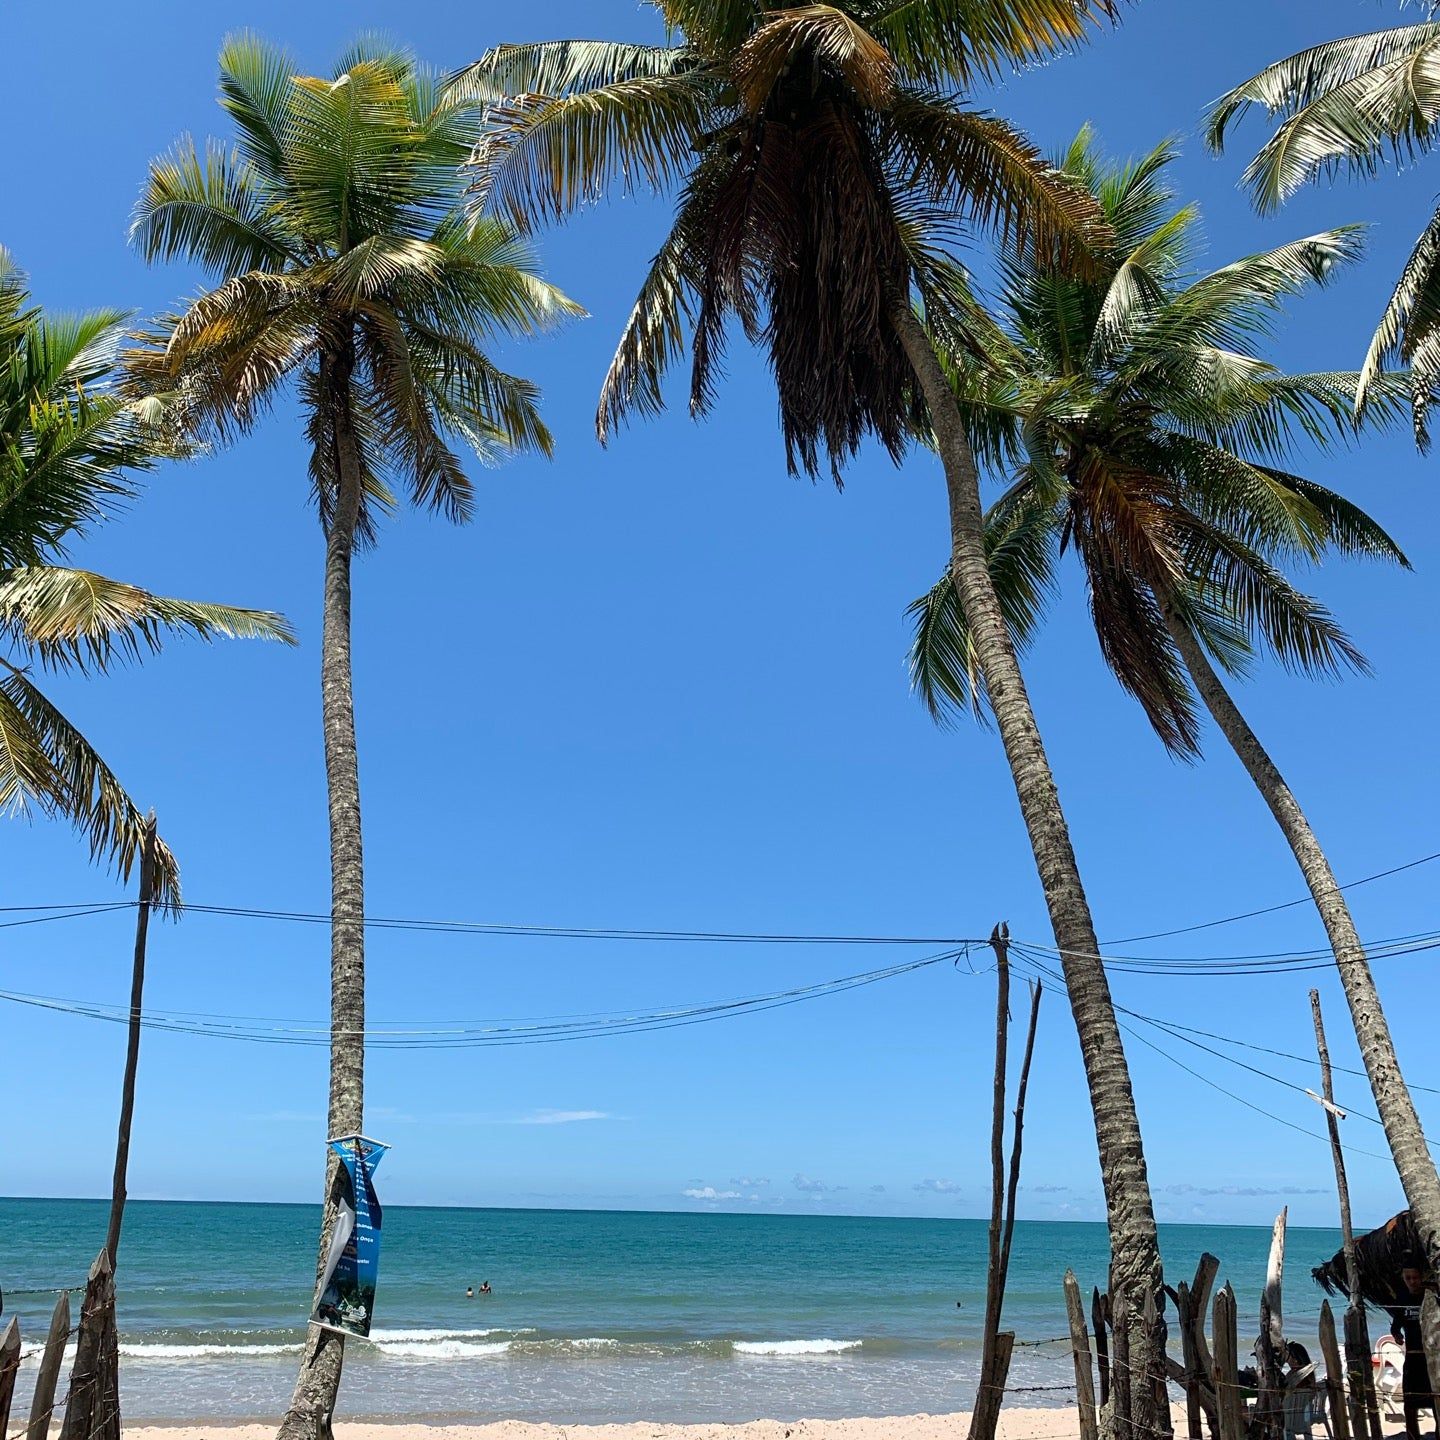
(345, 1299)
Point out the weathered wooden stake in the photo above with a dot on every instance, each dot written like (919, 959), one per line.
(1270, 1345)
(42, 1403)
(1227, 1367)
(1364, 1407)
(92, 1406)
(132, 1046)
(1099, 1322)
(1080, 1349)
(1334, 1385)
(1190, 1370)
(9, 1368)
(1122, 1410)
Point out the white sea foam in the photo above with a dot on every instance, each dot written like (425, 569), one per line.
(386, 1337)
(795, 1347)
(592, 1342)
(440, 1349)
(140, 1350)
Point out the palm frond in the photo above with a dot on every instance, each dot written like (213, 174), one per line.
(76, 618)
(543, 156)
(1344, 102)
(255, 83)
(45, 761)
(563, 67)
(813, 36)
(209, 210)
(961, 42)
(1020, 544)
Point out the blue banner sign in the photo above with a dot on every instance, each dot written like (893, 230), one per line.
(345, 1299)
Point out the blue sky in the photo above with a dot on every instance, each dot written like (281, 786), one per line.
(662, 686)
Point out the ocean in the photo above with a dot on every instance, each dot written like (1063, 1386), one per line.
(596, 1315)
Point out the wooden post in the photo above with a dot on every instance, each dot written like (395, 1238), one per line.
(986, 1414)
(1270, 1345)
(1080, 1348)
(9, 1368)
(1332, 1124)
(92, 1407)
(1122, 1408)
(1364, 1407)
(42, 1403)
(1191, 1367)
(1228, 1403)
(1098, 1318)
(1334, 1385)
(132, 1047)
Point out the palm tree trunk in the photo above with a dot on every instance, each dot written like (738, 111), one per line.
(1135, 1270)
(312, 1404)
(1412, 1156)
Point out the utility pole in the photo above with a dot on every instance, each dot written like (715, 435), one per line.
(132, 1049)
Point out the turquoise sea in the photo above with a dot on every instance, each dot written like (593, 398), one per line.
(596, 1315)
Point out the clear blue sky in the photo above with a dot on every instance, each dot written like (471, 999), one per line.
(663, 686)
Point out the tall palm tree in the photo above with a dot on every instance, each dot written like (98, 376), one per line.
(823, 165)
(1145, 434)
(342, 264)
(1347, 105)
(68, 447)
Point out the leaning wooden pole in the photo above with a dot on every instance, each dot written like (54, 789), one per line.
(985, 1417)
(1333, 1116)
(132, 1048)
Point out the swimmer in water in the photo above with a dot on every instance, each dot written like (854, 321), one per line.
(485, 1288)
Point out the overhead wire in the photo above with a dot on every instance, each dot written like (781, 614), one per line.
(543, 1032)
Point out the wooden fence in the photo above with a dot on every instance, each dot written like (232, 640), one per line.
(92, 1399)
(1283, 1394)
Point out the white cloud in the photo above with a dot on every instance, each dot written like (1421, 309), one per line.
(938, 1187)
(809, 1186)
(877, 1189)
(748, 1182)
(559, 1117)
(709, 1192)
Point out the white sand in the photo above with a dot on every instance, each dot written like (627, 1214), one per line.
(1015, 1424)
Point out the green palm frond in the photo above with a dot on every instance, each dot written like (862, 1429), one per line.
(1021, 537)
(78, 618)
(558, 67)
(48, 764)
(943, 42)
(543, 156)
(210, 210)
(1345, 103)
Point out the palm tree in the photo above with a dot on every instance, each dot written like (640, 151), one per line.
(823, 167)
(1347, 105)
(342, 264)
(1145, 434)
(68, 445)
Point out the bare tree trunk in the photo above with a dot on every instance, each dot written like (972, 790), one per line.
(1134, 1247)
(312, 1404)
(132, 1044)
(1412, 1156)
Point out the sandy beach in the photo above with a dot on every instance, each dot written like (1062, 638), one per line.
(1027, 1423)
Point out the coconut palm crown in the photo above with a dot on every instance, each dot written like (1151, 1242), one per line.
(1348, 105)
(69, 449)
(823, 165)
(1141, 431)
(332, 230)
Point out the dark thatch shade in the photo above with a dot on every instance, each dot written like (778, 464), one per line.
(1380, 1255)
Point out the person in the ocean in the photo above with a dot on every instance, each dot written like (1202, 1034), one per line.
(485, 1288)
(469, 1292)
(1406, 1329)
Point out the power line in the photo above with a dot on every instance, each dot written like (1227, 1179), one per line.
(1274, 909)
(470, 1037)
